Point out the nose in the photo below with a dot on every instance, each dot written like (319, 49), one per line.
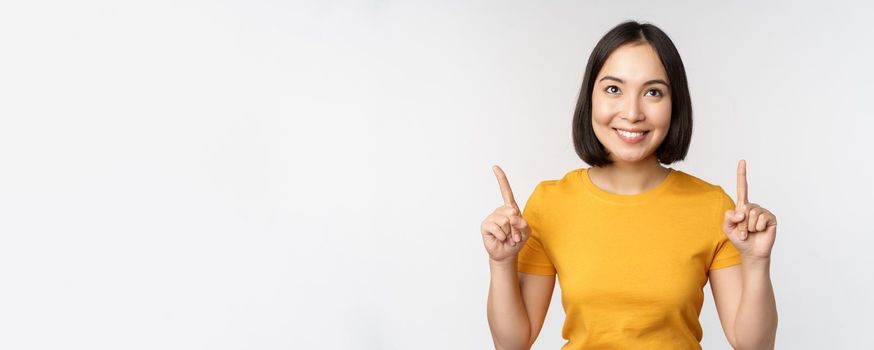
(632, 110)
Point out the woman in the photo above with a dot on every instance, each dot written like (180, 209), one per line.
(632, 242)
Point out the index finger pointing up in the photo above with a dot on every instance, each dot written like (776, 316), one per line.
(506, 192)
(742, 182)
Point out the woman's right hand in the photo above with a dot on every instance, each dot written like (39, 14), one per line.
(504, 230)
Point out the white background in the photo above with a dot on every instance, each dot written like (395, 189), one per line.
(286, 175)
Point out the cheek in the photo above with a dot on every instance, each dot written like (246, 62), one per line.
(659, 115)
(602, 111)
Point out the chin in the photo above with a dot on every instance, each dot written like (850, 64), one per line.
(627, 160)
(630, 158)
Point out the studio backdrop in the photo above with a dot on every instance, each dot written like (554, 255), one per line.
(313, 174)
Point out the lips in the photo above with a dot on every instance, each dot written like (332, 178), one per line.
(631, 136)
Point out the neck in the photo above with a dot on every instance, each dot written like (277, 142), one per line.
(629, 178)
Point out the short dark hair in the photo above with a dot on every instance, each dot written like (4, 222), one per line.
(676, 143)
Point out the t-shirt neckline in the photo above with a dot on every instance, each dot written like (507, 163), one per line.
(627, 198)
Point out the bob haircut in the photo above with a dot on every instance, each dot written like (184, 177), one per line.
(676, 143)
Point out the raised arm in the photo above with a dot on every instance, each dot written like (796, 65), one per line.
(743, 294)
(517, 302)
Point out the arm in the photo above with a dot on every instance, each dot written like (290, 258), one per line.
(743, 294)
(517, 302)
(517, 305)
(745, 303)
(756, 323)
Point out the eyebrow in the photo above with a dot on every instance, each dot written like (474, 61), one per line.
(654, 81)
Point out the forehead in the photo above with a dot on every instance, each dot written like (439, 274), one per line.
(637, 62)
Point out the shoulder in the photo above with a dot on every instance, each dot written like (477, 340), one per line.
(553, 191)
(691, 185)
(556, 187)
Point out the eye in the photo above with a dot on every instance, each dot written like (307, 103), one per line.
(612, 89)
(658, 93)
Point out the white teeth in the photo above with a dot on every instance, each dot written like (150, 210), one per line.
(629, 134)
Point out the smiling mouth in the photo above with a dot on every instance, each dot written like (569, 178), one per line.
(631, 136)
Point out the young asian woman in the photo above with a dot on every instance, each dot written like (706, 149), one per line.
(632, 242)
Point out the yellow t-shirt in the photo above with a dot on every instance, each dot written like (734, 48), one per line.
(631, 268)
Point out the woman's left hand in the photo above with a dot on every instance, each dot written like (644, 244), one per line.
(750, 227)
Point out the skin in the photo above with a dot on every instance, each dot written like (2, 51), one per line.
(517, 302)
(743, 294)
(632, 92)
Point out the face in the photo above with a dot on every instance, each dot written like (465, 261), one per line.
(631, 103)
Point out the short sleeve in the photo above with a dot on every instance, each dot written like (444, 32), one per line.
(533, 257)
(726, 254)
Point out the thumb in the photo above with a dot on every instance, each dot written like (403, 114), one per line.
(732, 218)
(519, 228)
(519, 223)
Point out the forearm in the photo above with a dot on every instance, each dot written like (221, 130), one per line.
(508, 319)
(755, 326)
